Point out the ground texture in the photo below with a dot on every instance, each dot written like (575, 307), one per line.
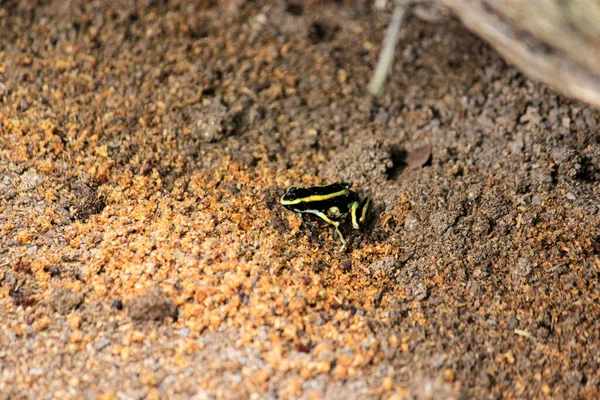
(143, 252)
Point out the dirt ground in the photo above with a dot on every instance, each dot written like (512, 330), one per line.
(143, 252)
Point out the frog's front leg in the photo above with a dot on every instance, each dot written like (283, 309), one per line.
(353, 210)
(359, 212)
(365, 208)
(336, 224)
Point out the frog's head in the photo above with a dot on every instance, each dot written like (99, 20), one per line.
(291, 197)
(296, 198)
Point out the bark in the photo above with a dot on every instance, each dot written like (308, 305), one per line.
(554, 41)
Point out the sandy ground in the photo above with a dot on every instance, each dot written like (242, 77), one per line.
(143, 252)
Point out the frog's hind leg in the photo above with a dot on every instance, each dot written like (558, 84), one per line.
(336, 224)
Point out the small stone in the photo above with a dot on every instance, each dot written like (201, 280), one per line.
(543, 332)
(570, 196)
(387, 384)
(42, 323)
(438, 361)
(512, 322)
(509, 357)
(137, 336)
(117, 305)
(29, 181)
(387, 265)
(419, 291)
(148, 378)
(411, 222)
(153, 394)
(485, 380)
(208, 121)
(183, 332)
(9, 194)
(293, 388)
(381, 117)
(546, 389)
(191, 151)
(545, 178)
(449, 376)
(76, 337)
(532, 114)
(24, 236)
(516, 147)
(23, 105)
(101, 344)
(74, 321)
(37, 371)
(261, 19)
(522, 268)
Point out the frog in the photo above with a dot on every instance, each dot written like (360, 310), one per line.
(332, 203)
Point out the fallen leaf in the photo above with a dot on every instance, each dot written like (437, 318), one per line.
(419, 157)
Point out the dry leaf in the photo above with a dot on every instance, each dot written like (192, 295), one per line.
(419, 157)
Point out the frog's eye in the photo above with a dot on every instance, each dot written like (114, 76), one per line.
(292, 193)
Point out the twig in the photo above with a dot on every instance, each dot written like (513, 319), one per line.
(386, 56)
(526, 334)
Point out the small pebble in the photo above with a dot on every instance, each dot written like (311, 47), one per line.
(183, 332)
(37, 371)
(102, 343)
(117, 305)
(522, 268)
(411, 222)
(29, 181)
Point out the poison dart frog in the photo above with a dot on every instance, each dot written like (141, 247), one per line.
(332, 203)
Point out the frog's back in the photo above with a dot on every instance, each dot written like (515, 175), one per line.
(319, 197)
(330, 188)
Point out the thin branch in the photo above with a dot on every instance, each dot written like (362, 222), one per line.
(386, 57)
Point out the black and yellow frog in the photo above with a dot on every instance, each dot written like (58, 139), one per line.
(332, 203)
